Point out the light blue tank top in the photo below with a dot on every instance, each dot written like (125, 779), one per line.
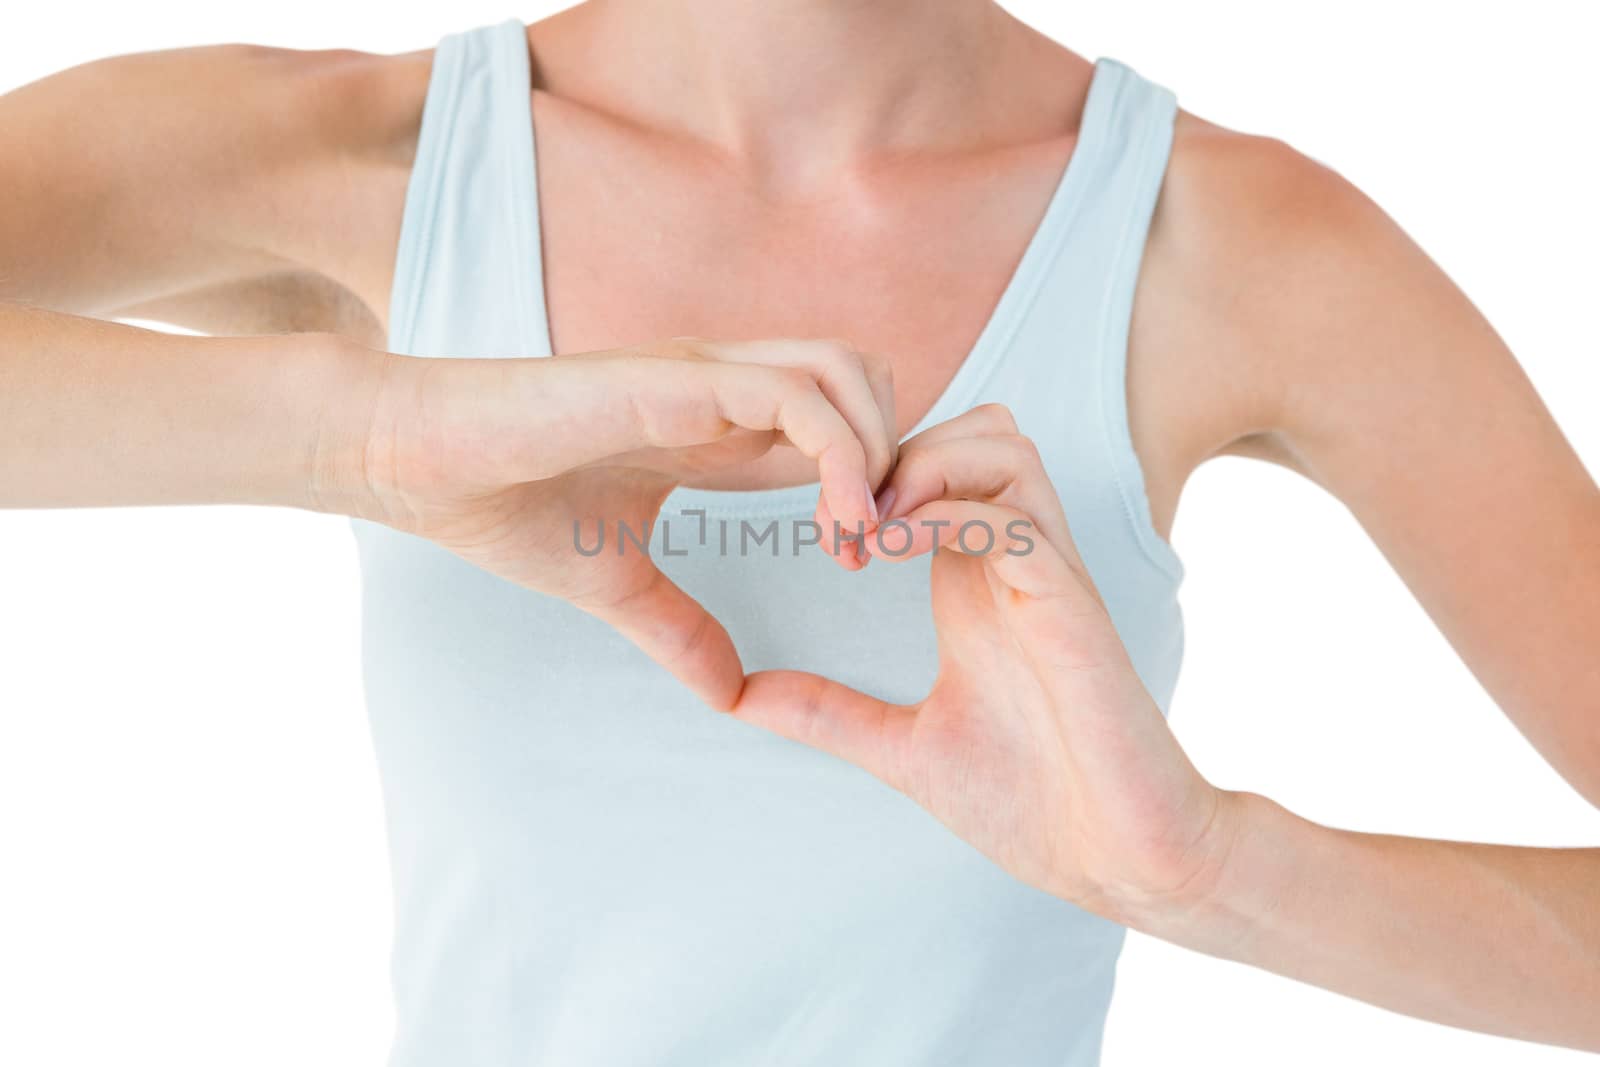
(590, 867)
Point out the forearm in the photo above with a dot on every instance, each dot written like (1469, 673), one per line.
(1488, 937)
(96, 413)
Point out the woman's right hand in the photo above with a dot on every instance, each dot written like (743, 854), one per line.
(497, 459)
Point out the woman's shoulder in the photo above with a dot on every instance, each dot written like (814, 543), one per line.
(1253, 195)
(1257, 242)
(1262, 270)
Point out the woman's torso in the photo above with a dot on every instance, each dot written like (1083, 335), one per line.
(592, 868)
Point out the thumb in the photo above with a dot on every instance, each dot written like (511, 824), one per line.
(673, 629)
(841, 721)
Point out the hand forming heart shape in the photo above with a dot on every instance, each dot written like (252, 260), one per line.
(496, 459)
(1038, 743)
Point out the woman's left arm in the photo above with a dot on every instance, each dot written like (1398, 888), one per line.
(1344, 353)
(1355, 361)
(1361, 366)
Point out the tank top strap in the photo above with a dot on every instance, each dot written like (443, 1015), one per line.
(1128, 135)
(1128, 162)
(469, 234)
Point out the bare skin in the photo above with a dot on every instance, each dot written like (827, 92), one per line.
(787, 192)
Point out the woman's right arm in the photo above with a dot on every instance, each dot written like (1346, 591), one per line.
(228, 188)
(493, 459)
(151, 181)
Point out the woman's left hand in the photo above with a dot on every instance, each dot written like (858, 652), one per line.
(1038, 743)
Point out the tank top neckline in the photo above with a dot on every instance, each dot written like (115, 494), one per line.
(958, 395)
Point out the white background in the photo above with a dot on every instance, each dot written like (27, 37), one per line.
(190, 832)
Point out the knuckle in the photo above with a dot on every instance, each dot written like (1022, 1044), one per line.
(998, 416)
(914, 464)
(833, 354)
(1025, 451)
(794, 379)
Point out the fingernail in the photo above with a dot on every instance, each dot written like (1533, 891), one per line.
(884, 504)
(872, 505)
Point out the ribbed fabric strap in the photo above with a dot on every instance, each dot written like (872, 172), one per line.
(1134, 160)
(473, 164)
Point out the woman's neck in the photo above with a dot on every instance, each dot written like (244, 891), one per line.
(791, 88)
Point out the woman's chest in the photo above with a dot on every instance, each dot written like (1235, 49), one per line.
(909, 260)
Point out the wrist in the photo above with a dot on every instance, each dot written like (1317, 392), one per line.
(343, 385)
(1254, 852)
